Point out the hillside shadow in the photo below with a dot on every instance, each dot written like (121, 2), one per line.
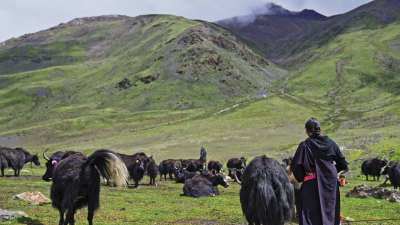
(27, 220)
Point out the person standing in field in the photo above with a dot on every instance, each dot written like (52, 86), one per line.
(319, 198)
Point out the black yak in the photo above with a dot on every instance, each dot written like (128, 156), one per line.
(214, 165)
(236, 163)
(16, 158)
(136, 165)
(200, 186)
(235, 174)
(76, 181)
(373, 167)
(169, 166)
(266, 195)
(52, 161)
(182, 175)
(393, 171)
(152, 170)
(139, 168)
(194, 165)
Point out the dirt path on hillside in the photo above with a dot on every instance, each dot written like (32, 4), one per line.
(339, 67)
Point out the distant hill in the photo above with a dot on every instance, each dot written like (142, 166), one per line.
(286, 39)
(271, 26)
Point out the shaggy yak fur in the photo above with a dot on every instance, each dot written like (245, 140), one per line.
(266, 195)
(76, 181)
(16, 158)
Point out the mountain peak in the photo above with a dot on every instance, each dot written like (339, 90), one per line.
(272, 9)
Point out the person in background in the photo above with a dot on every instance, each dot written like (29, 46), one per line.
(313, 164)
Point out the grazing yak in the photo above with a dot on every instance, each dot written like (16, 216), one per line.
(214, 165)
(393, 171)
(76, 181)
(200, 186)
(373, 167)
(266, 195)
(169, 166)
(16, 158)
(136, 165)
(194, 165)
(152, 170)
(235, 163)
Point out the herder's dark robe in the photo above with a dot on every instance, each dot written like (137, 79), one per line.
(319, 198)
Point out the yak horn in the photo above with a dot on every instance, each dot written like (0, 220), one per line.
(45, 156)
(340, 174)
(237, 180)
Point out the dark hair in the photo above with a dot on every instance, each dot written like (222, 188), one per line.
(313, 126)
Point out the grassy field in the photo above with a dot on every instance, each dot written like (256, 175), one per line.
(163, 204)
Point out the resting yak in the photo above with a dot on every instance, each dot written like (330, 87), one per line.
(266, 195)
(76, 181)
(16, 158)
(200, 186)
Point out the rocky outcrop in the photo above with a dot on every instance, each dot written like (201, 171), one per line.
(94, 19)
(365, 191)
(9, 215)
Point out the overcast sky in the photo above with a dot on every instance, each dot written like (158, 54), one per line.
(18, 17)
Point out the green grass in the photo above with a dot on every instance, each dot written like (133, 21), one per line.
(163, 204)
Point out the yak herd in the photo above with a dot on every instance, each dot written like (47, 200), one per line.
(267, 195)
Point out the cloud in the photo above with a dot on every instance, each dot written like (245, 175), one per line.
(18, 17)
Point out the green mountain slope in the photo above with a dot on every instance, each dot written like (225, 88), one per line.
(125, 64)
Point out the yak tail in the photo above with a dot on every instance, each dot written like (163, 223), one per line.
(110, 166)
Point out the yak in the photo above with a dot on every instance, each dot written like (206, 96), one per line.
(16, 158)
(266, 194)
(393, 171)
(182, 175)
(136, 165)
(139, 168)
(52, 161)
(194, 165)
(235, 174)
(214, 165)
(169, 166)
(76, 181)
(236, 163)
(152, 170)
(373, 167)
(200, 186)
